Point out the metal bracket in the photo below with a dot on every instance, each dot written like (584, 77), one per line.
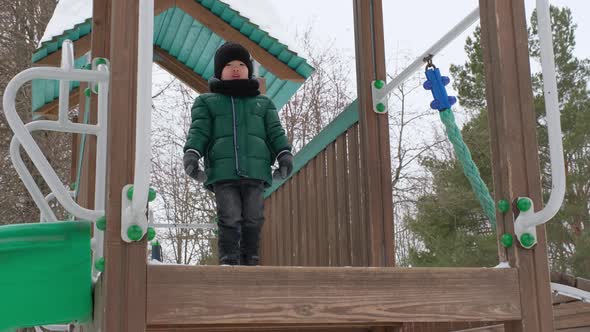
(129, 218)
(526, 235)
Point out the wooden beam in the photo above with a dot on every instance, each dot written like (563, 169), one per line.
(277, 328)
(228, 33)
(180, 70)
(81, 47)
(374, 133)
(514, 150)
(49, 111)
(125, 263)
(571, 315)
(161, 6)
(220, 296)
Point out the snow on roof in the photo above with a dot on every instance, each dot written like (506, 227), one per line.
(68, 13)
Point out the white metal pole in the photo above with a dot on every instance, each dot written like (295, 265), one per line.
(67, 63)
(381, 94)
(137, 213)
(553, 123)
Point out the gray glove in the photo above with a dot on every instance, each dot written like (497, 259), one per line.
(190, 161)
(285, 164)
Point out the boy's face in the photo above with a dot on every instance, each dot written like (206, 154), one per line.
(234, 70)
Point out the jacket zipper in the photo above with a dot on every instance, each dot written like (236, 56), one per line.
(233, 109)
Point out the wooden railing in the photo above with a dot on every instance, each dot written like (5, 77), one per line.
(317, 216)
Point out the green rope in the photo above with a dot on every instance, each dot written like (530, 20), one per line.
(462, 151)
(82, 144)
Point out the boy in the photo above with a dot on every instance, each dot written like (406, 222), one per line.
(239, 134)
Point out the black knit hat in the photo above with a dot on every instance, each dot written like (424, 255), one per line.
(228, 52)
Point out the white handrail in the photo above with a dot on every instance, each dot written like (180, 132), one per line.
(24, 174)
(67, 63)
(135, 214)
(49, 198)
(24, 137)
(528, 220)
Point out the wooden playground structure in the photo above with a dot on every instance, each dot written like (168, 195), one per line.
(327, 248)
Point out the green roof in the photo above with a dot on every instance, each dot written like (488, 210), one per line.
(192, 44)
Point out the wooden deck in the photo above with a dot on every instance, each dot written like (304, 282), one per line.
(193, 298)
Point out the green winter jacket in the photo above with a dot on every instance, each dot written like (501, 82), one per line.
(238, 137)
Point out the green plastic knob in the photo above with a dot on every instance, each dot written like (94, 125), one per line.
(156, 243)
(380, 108)
(95, 90)
(73, 186)
(151, 233)
(99, 264)
(379, 84)
(134, 233)
(527, 240)
(101, 223)
(87, 92)
(152, 195)
(130, 193)
(507, 240)
(101, 61)
(503, 205)
(523, 204)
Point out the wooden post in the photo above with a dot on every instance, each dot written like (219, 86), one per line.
(126, 269)
(514, 149)
(374, 133)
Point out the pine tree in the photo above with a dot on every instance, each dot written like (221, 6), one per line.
(449, 220)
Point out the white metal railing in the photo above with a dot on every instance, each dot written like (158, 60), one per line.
(527, 221)
(134, 213)
(22, 136)
(380, 94)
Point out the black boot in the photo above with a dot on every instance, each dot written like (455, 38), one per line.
(229, 247)
(249, 246)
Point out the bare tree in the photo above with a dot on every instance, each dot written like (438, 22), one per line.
(22, 24)
(322, 97)
(411, 137)
(181, 200)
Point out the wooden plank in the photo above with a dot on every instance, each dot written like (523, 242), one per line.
(295, 194)
(312, 214)
(342, 202)
(332, 235)
(304, 247)
(322, 220)
(225, 31)
(265, 235)
(374, 135)
(494, 328)
(81, 47)
(180, 70)
(126, 269)
(571, 315)
(269, 328)
(206, 295)
(514, 148)
(286, 237)
(162, 5)
(358, 244)
(274, 227)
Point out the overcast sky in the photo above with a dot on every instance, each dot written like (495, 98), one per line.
(410, 26)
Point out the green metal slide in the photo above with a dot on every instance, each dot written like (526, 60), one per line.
(45, 274)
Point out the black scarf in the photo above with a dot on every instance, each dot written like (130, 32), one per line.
(235, 88)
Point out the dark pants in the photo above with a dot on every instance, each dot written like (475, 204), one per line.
(240, 210)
